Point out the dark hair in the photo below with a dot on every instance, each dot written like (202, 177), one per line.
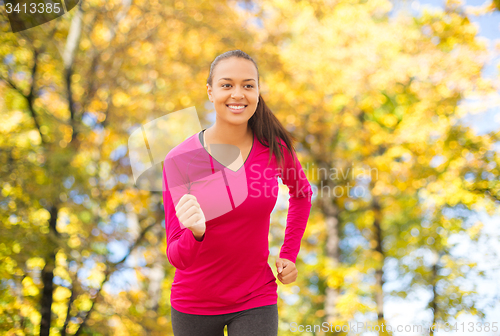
(263, 123)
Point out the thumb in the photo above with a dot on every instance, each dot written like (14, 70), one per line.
(279, 265)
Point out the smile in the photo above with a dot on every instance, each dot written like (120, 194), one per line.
(236, 108)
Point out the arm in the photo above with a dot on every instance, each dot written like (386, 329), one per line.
(182, 246)
(300, 192)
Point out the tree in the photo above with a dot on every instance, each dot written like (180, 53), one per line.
(73, 90)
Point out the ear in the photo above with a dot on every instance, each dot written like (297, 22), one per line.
(209, 91)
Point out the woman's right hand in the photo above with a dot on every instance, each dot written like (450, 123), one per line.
(189, 213)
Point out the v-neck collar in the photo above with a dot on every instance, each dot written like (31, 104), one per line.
(200, 137)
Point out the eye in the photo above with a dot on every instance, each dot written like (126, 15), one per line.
(249, 85)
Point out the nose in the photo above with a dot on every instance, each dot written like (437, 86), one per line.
(237, 93)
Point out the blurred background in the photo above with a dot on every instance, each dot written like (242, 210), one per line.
(395, 107)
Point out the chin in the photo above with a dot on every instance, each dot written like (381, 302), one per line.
(239, 121)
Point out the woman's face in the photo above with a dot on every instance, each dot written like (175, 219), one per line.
(234, 90)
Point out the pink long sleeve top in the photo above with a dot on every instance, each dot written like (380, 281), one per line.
(228, 270)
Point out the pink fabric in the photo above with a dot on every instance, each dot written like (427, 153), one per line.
(228, 271)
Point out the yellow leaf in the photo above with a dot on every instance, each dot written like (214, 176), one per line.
(29, 288)
(61, 293)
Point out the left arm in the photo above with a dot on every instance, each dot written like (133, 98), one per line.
(300, 192)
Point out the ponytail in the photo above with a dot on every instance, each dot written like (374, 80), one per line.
(268, 130)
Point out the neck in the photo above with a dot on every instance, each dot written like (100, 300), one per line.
(236, 135)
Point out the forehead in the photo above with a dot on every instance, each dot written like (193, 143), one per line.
(235, 68)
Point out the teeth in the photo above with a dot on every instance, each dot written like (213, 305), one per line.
(236, 107)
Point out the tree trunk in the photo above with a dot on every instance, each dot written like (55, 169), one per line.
(46, 301)
(48, 277)
(433, 303)
(379, 271)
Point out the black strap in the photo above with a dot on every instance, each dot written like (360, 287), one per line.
(201, 138)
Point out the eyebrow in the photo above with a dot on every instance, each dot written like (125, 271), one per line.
(245, 80)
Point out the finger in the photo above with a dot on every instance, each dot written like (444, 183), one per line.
(196, 225)
(185, 214)
(181, 202)
(186, 207)
(202, 220)
(286, 280)
(285, 264)
(184, 199)
(289, 277)
(200, 216)
(287, 269)
(193, 221)
(188, 204)
(279, 266)
(189, 213)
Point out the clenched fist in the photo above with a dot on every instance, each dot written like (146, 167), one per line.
(189, 213)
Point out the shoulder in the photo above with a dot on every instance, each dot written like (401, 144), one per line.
(188, 145)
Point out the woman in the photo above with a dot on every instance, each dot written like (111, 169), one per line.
(222, 273)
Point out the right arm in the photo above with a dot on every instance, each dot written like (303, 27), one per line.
(182, 245)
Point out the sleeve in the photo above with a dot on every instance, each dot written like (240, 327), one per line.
(299, 208)
(182, 247)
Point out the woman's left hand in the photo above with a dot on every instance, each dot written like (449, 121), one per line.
(287, 273)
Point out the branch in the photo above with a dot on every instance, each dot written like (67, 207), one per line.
(487, 192)
(69, 56)
(12, 85)
(70, 48)
(30, 97)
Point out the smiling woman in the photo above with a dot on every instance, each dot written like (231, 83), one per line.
(217, 234)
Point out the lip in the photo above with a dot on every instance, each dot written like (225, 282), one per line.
(237, 111)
